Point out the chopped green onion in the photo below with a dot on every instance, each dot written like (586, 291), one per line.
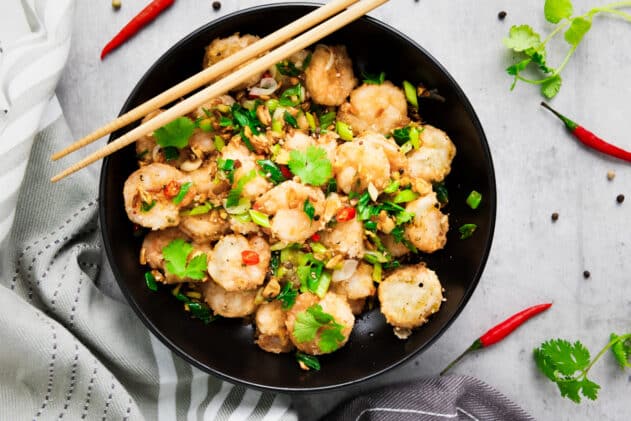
(150, 280)
(467, 230)
(205, 125)
(272, 104)
(243, 217)
(219, 143)
(290, 119)
(331, 186)
(406, 147)
(199, 210)
(318, 248)
(241, 207)
(183, 190)
(344, 130)
(370, 225)
(308, 360)
(373, 79)
(235, 193)
(442, 194)
(311, 121)
(373, 257)
(177, 294)
(323, 284)
(146, 207)
(277, 125)
(271, 170)
(309, 209)
(410, 93)
(201, 311)
(327, 119)
(474, 199)
(249, 104)
(405, 196)
(377, 271)
(392, 187)
(259, 218)
(171, 153)
(415, 137)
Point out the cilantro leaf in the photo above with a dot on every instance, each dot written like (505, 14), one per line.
(287, 68)
(516, 68)
(313, 167)
(577, 30)
(330, 338)
(176, 133)
(309, 209)
(373, 79)
(308, 360)
(521, 38)
(176, 255)
(287, 296)
(556, 10)
(621, 350)
(306, 326)
(551, 86)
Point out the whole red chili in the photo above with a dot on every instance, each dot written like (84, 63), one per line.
(145, 16)
(589, 139)
(500, 331)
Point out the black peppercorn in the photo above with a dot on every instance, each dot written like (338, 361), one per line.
(216, 5)
(555, 216)
(620, 198)
(586, 274)
(501, 15)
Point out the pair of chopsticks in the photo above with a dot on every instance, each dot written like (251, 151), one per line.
(317, 17)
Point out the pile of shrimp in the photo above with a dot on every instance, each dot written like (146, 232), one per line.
(364, 243)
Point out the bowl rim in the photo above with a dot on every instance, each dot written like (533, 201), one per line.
(490, 230)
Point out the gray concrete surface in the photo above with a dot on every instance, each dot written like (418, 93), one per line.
(539, 168)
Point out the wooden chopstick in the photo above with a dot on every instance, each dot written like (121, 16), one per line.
(229, 82)
(207, 75)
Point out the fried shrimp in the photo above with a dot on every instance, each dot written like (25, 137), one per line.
(150, 192)
(428, 230)
(272, 334)
(359, 164)
(229, 303)
(231, 270)
(378, 108)
(285, 203)
(221, 48)
(432, 161)
(329, 78)
(409, 296)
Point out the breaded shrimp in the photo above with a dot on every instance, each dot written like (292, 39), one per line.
(271, 332)
(396, 158)
(149, 193)
(221, 48)
(428, 229)
(329, 78)
(229, 303)
(345, 238)
(285, 203)
(359, 285)
(378, 108)
(226, 266)
(432, 161)
(358, 164)
(409, 296)
(206, 227)
(247, 166)
(332, 304)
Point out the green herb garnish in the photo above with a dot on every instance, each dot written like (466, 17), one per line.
(474, 199)
(287, 68)
(308, 360)
(184, 188)
(259, 218)
(176, 133)
(150, 280)
(373, 79)
(146, 207)
(442, 194)
(405, 196)
(290, 119)
(171, 153)
(234, 195)
(410, 93)
(309, 209)
(271, 170)
(228, 167)
(199, 210)
(344, 131)
(312, 166)
(327, 119)
(313, 321)
(201, 311)
(467, 230)
(287, 296)
(176, 255)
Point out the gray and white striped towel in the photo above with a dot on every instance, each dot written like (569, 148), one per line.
(71, 347)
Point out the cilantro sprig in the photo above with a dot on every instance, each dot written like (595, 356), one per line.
(287, 296)
(313, 321)
(175, 134)
(531, 48)
(568, 364)
(312, 166)
(176, 255)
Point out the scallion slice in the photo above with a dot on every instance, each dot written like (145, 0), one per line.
(410, 93)
(474, 199)
(259, 218)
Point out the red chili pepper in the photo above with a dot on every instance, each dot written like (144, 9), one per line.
(502, 330)
(589, 139)
(172, 189)
(250, 257)
(345, 214)
(315, 237)
(286, 172)
(143, 18)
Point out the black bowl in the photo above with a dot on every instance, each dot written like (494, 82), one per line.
(226, 347)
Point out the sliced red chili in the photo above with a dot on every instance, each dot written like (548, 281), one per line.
(286, 172)
(250, 257)
(172, 189)
(315, 237)
(345, 214)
